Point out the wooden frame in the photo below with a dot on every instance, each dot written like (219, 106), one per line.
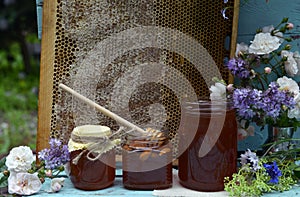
(46, 67)
(46, 74)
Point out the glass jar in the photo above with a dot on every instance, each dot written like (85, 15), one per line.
(210, 130)
(92, 157)
(147, 162)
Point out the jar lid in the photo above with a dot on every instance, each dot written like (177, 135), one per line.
(92, 131)
(87, 131)
(151, 138)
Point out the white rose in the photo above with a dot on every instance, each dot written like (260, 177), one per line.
(267, 29)
(270, 28)
(295, 112)
(23, 183)
(289, 84)
(290, 64)
(264, 43)
(57, 184)
(296, 56)
(19, 159)
(241, 48)
(218, 91)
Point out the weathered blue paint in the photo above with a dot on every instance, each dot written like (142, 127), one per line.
(39, 11)
(117, 190)
(256, 14)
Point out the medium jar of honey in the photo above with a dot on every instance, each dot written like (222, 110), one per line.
(209, 131)
(92, 162)
(147, 161)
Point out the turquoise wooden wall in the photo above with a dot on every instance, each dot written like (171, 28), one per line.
(253, 14)
(258, 13)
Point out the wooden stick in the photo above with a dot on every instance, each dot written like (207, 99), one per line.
(101, 109)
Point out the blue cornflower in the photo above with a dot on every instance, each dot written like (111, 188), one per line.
(55, 156)
(273, 171)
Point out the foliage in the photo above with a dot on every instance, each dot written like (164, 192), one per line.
(21, 163)
(18, 106)
(250, 181)
(19, 74)
(3, 178)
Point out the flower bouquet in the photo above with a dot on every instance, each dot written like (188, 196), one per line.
(264, 92)
(21, 175)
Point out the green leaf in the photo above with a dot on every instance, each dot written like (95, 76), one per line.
(297, 172)
(3, 181)
(3, 178)
(2, 164)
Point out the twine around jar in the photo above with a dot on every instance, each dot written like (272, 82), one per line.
(99, 145)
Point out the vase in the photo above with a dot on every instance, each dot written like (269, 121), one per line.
(280, 137)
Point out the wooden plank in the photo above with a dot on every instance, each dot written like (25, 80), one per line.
(234, 33)
(117, 190)
(258, 13)
(46, 74)
(253, 15)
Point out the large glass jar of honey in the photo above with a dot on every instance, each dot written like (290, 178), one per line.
(147, 161)
(210, 130)
(92, 162)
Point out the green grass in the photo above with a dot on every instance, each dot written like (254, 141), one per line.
(18, 105)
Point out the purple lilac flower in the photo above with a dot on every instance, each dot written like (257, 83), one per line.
(57, 155)
(238, 67)
(250, 103)
(273, 99)
(273, 171)
(250, 158)
(245, 100)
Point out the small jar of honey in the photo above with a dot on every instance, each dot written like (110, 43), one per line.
(92, 157)
(147, 161)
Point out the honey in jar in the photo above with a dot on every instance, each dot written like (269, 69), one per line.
(92, 157)
(211, 131)
(147, 162)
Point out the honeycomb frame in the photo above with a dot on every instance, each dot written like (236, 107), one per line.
(72, 42)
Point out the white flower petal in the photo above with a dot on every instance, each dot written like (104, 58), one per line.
(241, 48)
(290, 64)
(19, 159)
(296, 56)
(264, 43)
(57, 184)
(268, 29)
(218, 91)
(23, 183)
(288, 84)
(295, 112)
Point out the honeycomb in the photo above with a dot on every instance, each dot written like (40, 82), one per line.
(137, 58)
